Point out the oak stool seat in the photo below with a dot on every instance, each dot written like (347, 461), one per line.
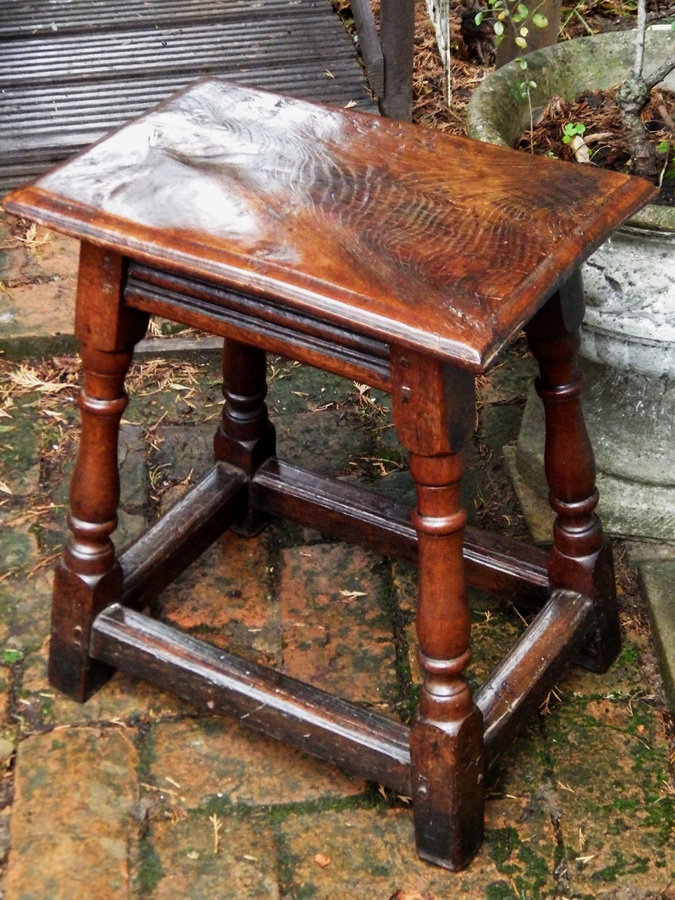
(396, 256)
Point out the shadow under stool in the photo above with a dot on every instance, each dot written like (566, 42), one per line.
(396, 256)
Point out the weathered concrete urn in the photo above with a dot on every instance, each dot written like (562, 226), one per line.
(628, 336)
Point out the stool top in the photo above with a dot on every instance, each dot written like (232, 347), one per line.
(406, 234)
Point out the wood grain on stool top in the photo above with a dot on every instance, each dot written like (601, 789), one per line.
(433, 241)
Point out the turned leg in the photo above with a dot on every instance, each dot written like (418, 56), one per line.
(88, 577)
(581, 557)
(434, 416)
(245, 436)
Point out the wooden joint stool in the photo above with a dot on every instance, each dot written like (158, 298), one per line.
(396, 256)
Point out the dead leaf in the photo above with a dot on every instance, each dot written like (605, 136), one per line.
(323, 860)
(352, 595)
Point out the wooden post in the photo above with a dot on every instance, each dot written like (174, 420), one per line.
(397, 34)
(245, 436)
(88, 576)
(434, 411)
(581, 558)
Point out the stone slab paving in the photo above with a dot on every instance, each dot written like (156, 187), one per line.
(136, 794)
(38, 276)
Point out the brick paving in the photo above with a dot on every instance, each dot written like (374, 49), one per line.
(136, 794)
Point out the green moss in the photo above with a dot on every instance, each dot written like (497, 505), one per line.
(501, 844)
(614, 870)
(499, 890)
(150, 871)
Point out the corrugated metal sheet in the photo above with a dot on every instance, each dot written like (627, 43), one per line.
(72, 69)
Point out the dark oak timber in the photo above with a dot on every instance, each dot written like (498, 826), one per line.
(88, 576)
(401, 257)
(182, 534)
(581, 557)
(328, 727)
(520, 683)
(493, 563)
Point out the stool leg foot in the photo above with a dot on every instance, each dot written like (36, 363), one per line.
(581, 557)
(88, 577)
(434, 415)
(245, 436)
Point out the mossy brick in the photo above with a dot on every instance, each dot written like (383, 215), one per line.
(609, 758)
(18, 549)
(122, 699)
(336, 630)
(510, 380)
(219, 763)
(324, 441)
(185, 861)
(131, 456)
(399, 486)
(499, 425)
(182, 452)
(129, 528)
(226, 597)
(25, 605)
(299, 388)
(371, 855)
(494, 630)
(72, 821)
(131, 459)
(34, 311)
(20, 457)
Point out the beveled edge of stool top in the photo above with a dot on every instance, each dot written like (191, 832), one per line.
(432, 241)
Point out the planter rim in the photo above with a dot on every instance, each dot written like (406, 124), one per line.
(498, 90)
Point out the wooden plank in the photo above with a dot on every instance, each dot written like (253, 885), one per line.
(263, 323)
(520, 683)
(493, 563)
(182, 534)
(199, 48)
(71, 70)
(411, 267)
(58, 17)
(328, 727)
(397, 33)
(369, 42)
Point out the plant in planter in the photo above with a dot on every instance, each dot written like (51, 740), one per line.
(628, 338)
(632, 96)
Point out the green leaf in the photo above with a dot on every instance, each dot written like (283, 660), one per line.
(499, 28)
(10, 656)
(523, 11)
(479, 18)
(521, 42)
(524, 31)
(539, 20)
(522, 63)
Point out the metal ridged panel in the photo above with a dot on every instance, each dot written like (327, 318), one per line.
(61, 90)
(27, 19)
(84, 57)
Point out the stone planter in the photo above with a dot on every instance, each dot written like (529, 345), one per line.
(628, 336)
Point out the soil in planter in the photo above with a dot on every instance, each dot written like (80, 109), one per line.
(596, 116)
